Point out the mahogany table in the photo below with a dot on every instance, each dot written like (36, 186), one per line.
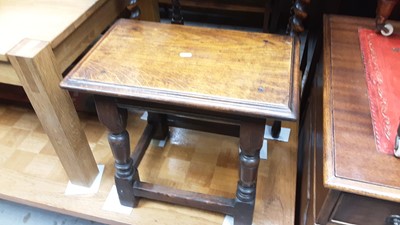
(219, 81)
(38, 41)
(345, 179)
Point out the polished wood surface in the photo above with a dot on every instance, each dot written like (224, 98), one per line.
(54, 108)
(141, 65)
(149, 10)
(351, 161)
(28, 158)
(68, 28)
(355, 209)
(240, 72)
(44, 20)
(75, 32)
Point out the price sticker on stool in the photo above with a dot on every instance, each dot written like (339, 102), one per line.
(185, 54)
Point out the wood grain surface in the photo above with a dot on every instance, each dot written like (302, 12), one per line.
(69, 35)
(242, 72)
(149, 10)
(44, 20)
(191, 160)
(36, 68)
(351, 161)
(68, 27)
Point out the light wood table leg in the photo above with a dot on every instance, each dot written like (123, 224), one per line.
(38, 72)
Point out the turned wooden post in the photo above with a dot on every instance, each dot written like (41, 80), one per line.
(251, 140)
(176, 12)
(383, 11)
(115, 120)
(134, 9)
(276, 128)
(298, 15)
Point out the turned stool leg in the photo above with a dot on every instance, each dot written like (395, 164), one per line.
(251, 140)
(159, 121)
(276, 129)
(176, 13)
(115, 120)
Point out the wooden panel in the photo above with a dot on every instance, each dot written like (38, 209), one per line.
(352, 163)
(36, 68)
(235, 71)
(149, 10)
(355, 209)
(8, 74)
(328, 207)
(86, 33)
(193, 161)
(313, 193)
(319, 191)
(45, 20)
(306, 215)
(79, 37)
(222, 6)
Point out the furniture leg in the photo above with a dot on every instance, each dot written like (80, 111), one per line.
(251, 140)
(276, 128)
(383, 11)
(36, 67)
(115, 119)
(159, 121)
(176, 13)
(327, 207)
(267, 16)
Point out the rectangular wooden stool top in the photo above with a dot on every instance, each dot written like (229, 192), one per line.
(244, 73)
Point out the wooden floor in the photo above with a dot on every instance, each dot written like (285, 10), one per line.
(30, 172)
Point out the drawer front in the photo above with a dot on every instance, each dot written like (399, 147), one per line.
(355, 209)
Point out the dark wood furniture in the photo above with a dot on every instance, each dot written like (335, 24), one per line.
(220, 81)
(345, 180)
(248, 6)
(383, 11)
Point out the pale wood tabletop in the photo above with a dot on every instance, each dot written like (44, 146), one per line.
(351, 161)
(45, 20)
(235, 71)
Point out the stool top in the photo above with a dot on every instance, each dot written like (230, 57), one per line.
(250, 74)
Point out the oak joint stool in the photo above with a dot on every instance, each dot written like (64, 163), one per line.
(219, 81)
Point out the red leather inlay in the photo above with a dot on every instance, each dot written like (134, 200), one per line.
(382, 66)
